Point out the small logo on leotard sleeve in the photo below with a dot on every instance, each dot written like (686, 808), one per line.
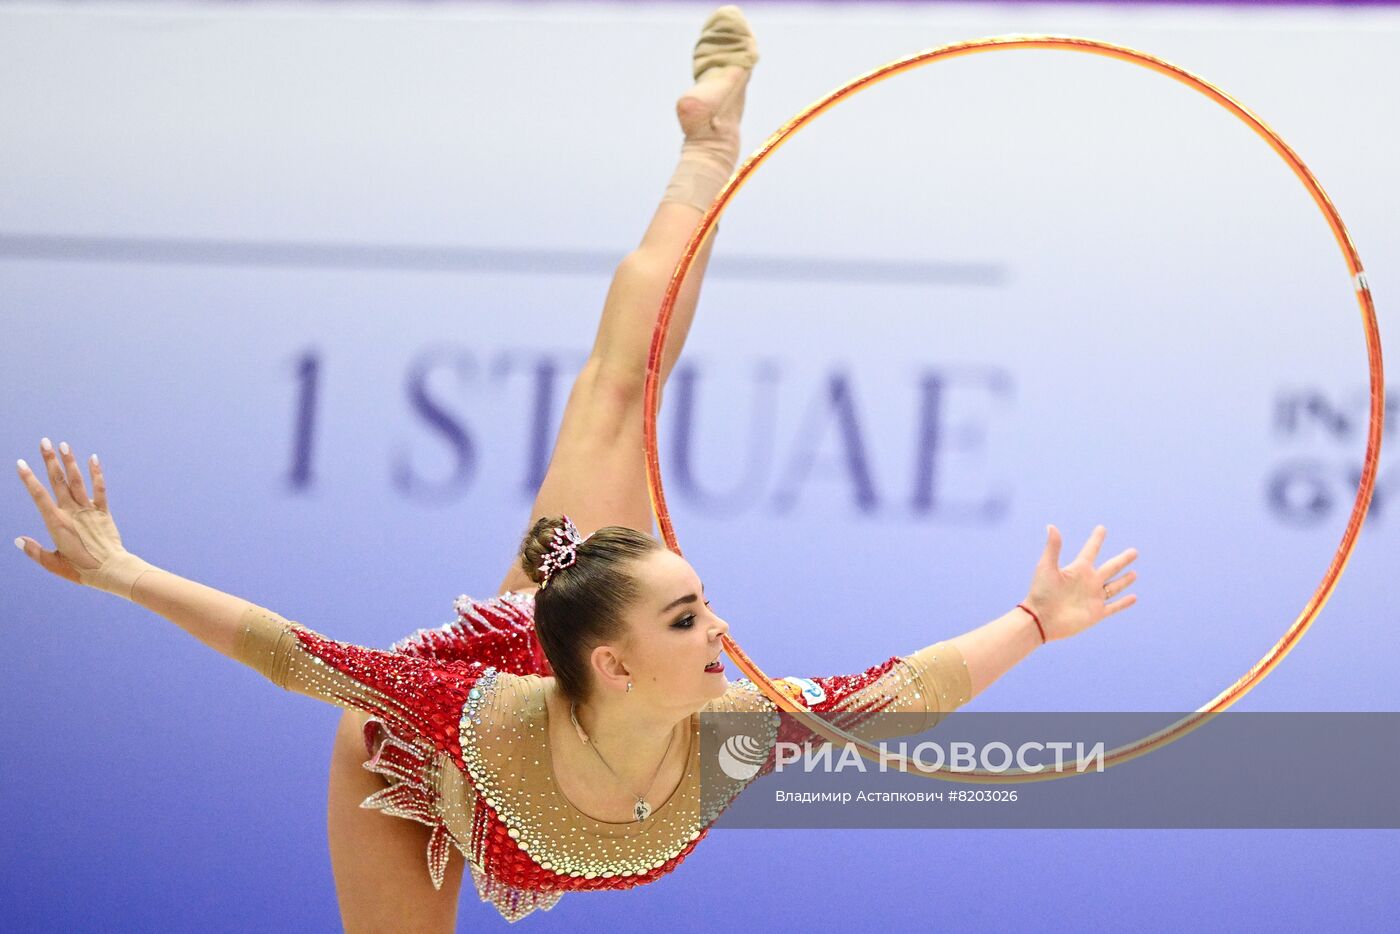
(805, 690)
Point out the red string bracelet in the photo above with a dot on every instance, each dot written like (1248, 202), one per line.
(1037, 621)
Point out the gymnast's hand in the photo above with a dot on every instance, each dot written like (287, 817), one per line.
(85, 537)
(1069, 600)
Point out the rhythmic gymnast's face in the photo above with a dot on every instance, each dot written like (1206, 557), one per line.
(673, 635)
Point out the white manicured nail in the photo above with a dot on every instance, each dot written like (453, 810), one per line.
(63, 446)
(46, 444)
(21, 464)
(93, 458)
(19, 543)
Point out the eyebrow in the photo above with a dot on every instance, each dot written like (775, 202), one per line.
(688, 598)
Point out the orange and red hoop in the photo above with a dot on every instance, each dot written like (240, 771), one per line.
(1373, 349)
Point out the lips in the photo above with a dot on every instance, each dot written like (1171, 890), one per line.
(715, 667)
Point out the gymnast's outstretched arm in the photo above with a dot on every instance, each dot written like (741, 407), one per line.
(883, 701)
(89, 551)
(1066, 601)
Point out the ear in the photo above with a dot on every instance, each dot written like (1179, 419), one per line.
(608, 668)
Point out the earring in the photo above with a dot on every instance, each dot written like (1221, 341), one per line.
(629, 686)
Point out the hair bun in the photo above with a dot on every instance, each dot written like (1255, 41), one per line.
(534, 547)
(539, 544)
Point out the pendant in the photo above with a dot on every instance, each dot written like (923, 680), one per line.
(642, 809)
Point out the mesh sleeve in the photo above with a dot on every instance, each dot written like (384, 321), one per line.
(416, 697)
(902, 695)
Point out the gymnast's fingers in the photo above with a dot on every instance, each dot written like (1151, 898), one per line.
(50, 561)
(48, 511)
(1123, 604)
(1119, 585)
(1117, 563)
(62, 498)
(99, 484)
(1090, 551)
(76, 488)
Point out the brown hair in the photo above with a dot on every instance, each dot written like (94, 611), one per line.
(582, 606)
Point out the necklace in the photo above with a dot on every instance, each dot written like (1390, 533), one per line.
(641, 809)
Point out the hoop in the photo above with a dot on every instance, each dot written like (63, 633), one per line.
(1315, 603)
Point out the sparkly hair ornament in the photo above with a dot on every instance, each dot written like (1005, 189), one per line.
(563, 550)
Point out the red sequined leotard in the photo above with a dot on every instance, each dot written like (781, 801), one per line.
(459, 728)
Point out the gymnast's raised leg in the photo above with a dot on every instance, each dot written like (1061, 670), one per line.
(596, 473)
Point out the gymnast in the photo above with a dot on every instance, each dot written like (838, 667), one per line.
(551, 734)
